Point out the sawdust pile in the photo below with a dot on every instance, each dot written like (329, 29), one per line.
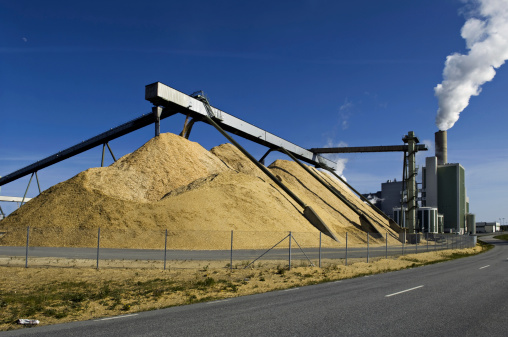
(199, 196)
(156, 168)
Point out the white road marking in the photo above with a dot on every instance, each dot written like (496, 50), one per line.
(485, 266)
(291, 289)
(403, 291)
(116, 317)
(219, 301)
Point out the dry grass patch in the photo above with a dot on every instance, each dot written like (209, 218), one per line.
(56, 295)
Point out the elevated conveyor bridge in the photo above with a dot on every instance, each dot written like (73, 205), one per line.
(174, 102)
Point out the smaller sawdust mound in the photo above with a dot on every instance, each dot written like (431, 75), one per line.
(377, 222)
(339, 217)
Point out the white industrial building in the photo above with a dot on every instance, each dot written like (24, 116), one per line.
(488, 227)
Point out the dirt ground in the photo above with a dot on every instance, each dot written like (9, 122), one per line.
(76, 291)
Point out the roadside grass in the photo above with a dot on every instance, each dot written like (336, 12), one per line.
(66, 299)
(414, 260)
(56, 300)
(501, 237)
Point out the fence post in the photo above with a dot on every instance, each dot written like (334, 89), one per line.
(290, 239)
(26, 251)
(427, 241)
(320, 249)
(367, 247)
(231, 253)
(416, 239)
(403, 242)
(346, 248)
(98, 245)
(386, 248)
(165, 247)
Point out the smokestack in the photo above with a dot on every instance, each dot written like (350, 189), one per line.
(441, 143)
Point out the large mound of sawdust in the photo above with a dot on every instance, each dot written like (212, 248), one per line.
(159, 166)
(199, 196)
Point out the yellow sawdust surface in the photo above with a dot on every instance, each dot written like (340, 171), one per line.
(199, 196)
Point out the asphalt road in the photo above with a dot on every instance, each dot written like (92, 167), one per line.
(464, 297)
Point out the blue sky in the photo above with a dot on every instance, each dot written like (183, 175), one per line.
(317, 73)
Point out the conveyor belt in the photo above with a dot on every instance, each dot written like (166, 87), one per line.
(162, 95)
(86, 145)
(173, 102)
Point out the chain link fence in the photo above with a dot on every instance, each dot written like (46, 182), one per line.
(135, 248)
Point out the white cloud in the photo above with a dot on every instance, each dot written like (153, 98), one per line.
(345, 113)
(346, 106)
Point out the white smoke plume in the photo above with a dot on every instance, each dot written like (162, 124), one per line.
(341, 162)
(486, 35)
(374, 199)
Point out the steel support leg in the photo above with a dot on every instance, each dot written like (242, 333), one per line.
(26, 191)
(103, 149)
(157, 111)
(262, 160)
(184, 129)
(189, 128)
(37, 179)
(112, 155)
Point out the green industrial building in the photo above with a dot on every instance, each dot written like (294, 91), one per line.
(451, 202)
(444, 187)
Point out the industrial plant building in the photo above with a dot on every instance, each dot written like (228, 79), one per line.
(488, 227)
(388, 198)
(444, 188)
(443, 204)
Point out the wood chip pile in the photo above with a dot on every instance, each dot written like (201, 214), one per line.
(199, 196)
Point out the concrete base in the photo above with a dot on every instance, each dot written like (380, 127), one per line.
(413, 238)
(402, 236)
